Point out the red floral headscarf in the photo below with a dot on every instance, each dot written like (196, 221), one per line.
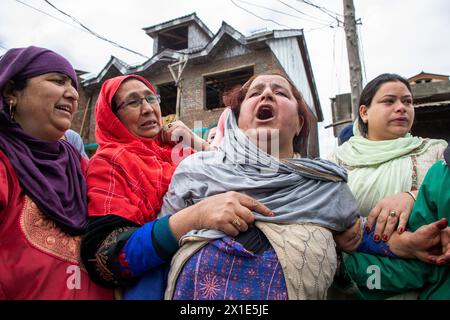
(129, 175)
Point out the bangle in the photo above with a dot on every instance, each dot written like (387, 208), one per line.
(411, 194)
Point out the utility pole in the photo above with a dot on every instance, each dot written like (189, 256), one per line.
(354, 62)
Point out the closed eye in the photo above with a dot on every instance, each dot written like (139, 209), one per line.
(280, 93)
(253, 94)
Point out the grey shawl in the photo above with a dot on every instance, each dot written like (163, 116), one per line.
(297, 190)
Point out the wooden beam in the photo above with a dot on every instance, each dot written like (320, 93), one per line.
(84, 116)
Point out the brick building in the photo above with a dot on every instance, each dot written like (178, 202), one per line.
(214, 63)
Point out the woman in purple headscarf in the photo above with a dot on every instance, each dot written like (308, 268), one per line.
(43, 209)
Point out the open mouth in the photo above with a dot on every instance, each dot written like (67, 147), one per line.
(64, 108)
(265, 113)
(149, 123)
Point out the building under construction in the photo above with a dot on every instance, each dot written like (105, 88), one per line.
(191, 68)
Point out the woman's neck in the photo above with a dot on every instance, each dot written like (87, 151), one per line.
(278, 152)
(273, 147)
(286, 154)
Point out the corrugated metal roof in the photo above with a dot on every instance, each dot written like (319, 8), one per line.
(178, 21)
(433, 104)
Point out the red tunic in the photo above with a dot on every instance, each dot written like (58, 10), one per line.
(37, 259)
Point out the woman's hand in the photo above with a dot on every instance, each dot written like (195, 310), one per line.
(229, 212)
(444, 258)
(350, 239)
(390, 213)
(423, 244)
(177, 132)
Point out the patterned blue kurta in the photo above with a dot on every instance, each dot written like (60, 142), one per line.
(225, 270)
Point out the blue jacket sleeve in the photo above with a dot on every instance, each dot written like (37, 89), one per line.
(140, 254)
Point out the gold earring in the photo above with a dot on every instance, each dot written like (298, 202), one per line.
(12, 110)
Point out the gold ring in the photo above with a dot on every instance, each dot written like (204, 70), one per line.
(393, 213)
(237, 222)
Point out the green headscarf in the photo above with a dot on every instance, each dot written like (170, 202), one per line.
(377, 169)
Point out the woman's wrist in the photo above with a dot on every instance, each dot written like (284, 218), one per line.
(400, 244)
(369, 245)
(184, 221)
(412, 194)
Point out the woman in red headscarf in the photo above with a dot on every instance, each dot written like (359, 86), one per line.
(127, 179)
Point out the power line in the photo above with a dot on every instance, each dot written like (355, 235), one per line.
(301, 12)
(324, 10)
(280, 12)
(92, 32)
(334, 58)
(47, 14)
(265, 19)
(319, 28)
(338, 61)
(358, 26)
(73, 26)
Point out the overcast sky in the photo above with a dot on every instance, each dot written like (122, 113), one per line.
(401, 36)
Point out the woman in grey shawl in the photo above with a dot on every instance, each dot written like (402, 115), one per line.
(288, 256)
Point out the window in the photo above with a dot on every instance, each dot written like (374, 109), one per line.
(168, 93)
(217, 84)
(175, 39)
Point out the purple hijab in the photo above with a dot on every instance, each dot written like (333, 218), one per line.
(49, 172)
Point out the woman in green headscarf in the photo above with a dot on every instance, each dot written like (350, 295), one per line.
(386, 166)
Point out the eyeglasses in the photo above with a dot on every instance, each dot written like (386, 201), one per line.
(136, 103)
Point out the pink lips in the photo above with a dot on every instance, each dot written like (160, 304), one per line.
(400, 120)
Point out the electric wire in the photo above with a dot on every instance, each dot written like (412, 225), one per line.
(93, 32)
(280, 12)
(265, 19)
(303, 13)
(77, 27)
